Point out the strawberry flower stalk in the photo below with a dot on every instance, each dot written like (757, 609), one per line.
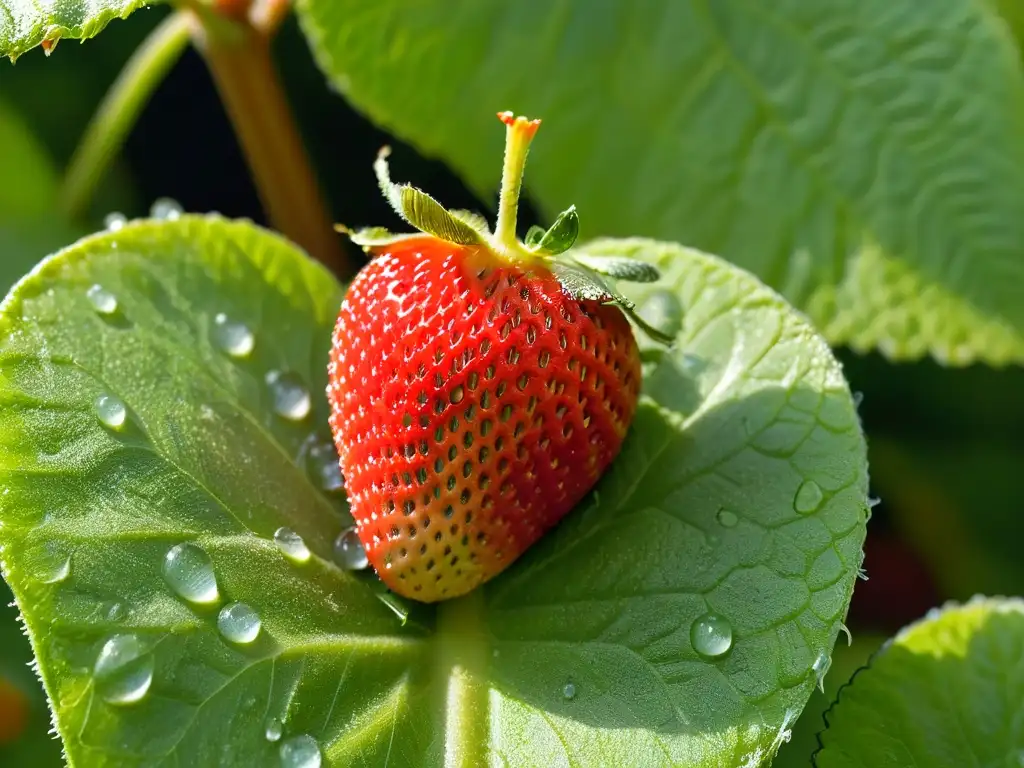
(479, 385)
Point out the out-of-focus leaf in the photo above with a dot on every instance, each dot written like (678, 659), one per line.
(863, 156)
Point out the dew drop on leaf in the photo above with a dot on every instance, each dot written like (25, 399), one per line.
(323, 462)
(711, 636)
(820, 668)
(348, 550)
(114, 221)
(569, 691)
(102, 300)
(239, 623)
(56, 569)
(231, 336)
(166, 209)
(123, 670)
(808, 497)
(111, 411)
(300, 752)
(291, 545)
(115, 612)
(291, 398)
(726, 518)
(273, 729)
(189, 572)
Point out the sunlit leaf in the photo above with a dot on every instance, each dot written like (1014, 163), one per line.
(864, 157)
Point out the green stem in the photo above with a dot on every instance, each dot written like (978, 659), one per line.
(120, 109)
(462, 661)
(518, 135)
(239, 59)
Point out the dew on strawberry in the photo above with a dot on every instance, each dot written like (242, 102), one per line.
(479, 385)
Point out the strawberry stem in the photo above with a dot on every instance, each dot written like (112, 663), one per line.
(518, 135)
(462, 658)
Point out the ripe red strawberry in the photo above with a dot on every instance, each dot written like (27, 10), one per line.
(474, 400)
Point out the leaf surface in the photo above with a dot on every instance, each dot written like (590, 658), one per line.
(945, 692)
(24, 24)
(862, 157)
(678, 617)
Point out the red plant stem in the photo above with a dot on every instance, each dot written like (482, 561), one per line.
(239, 59)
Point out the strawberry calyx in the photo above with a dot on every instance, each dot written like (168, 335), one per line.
(582, 276)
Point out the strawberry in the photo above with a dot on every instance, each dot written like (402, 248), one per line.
(479, 386)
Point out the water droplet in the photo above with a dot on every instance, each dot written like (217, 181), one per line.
(102, 300)
(166, 209)
(114, 221)
(325, 468)
(569, 691)
(348, 550)
(291, 544)
(111, 411)
(56, 570)
(711, 636)
(808, 497)
(239, 623)
(273, 729)
(124, 670)
(300, 752)
(231, 336)
(189, 572)
(291, 398)
(726, 518)
(115, 612)
(820, 669)
(691, 364)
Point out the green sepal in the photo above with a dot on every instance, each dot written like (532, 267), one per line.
(422, 211)
(584, 284)
(559, 237)
(533, 236)
(372, 237)
(475, 220)
(620, 267)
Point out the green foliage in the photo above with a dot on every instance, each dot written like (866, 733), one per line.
(24, 24)
(865, 158)
(945, 693)
(680, 616)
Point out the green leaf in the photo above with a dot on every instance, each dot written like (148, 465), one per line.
(618, 267)
(561, 235)
(584, 284)
(424, 212)
(29, 229)
(582, 653)
(847, 659)
(24, 24)
(946, 692)
(864, 158)
(28, 180)
(533, 236)
(35, 746)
